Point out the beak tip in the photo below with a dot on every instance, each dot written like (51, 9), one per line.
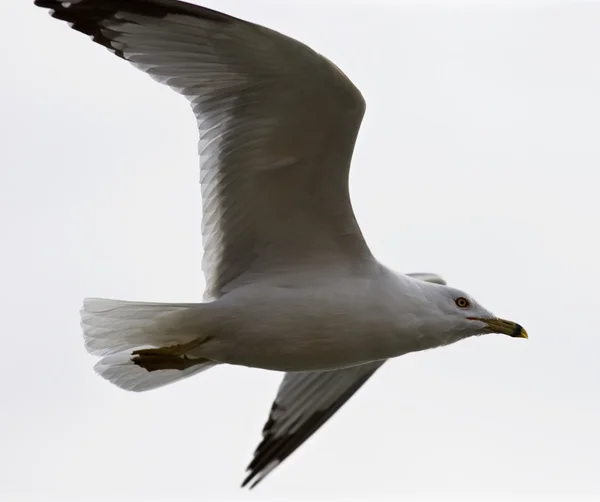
(519, 332)
(497, 325)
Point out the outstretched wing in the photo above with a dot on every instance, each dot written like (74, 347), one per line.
(304, 402)
(277, 123)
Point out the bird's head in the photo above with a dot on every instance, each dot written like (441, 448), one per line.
(461, 316)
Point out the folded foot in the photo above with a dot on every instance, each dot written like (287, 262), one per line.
(168, 358)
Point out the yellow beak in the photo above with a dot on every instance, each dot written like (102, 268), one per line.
(505, 327)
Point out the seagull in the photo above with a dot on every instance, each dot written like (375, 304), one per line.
(291, 285)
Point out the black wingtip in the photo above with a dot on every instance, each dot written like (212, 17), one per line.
(90, 16)
(249, 478)
(151, 8)
(252, 473)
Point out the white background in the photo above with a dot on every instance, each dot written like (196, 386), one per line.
(478, 159)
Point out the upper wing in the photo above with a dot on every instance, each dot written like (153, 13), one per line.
(277, 122)
(304, 402)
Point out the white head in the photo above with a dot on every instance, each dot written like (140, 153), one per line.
(452, 315)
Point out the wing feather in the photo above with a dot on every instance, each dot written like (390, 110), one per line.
(277, 125)
(305, 401)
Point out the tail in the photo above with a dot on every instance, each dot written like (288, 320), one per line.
(114, 329)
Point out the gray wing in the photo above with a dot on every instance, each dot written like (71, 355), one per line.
(277, 123)
(304, 402)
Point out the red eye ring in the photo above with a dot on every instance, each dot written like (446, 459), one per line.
(462, 303)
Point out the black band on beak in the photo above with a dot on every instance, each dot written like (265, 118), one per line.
(518, 331)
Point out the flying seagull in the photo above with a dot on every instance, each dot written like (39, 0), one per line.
(290, 282)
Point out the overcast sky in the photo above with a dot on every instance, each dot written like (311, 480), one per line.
(478, 159)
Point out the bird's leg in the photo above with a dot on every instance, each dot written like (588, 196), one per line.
(168, 358)
(166, 362)
(172, 350)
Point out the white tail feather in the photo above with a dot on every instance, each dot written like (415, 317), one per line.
(111, 326)
(112, 329)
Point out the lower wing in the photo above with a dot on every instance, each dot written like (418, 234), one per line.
(305, 401)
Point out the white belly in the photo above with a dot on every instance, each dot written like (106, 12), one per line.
(305, 329)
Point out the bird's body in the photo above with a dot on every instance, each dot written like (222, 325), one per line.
(294, 323)
(291, 283)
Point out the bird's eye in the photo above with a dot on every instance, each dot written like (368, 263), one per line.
(462, 302)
